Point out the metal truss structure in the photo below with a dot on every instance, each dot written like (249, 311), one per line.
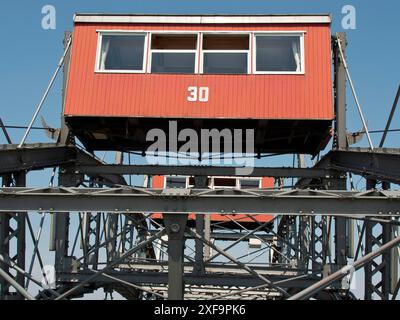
(103, 233)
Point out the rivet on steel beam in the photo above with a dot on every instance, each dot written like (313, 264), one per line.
(175, 227)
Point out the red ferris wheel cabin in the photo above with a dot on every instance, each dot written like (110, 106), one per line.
(131, 73)
(219, 221)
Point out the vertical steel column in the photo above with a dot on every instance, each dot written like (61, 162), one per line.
(341, 239)
(199, 267)
(65, 134)
(287, 241)
(112, 222)
(207, 236)
(4, 243)
(60, 221)
(91, 238)
(20, 181)
(393, 255)
(67, 178)
(304, 229)
(387, 235)
(304, 245)
(387, 257)
(13, 239)
(320, 248)
(111, 236)
(378, 282)
(369, 244)
(175, 225)
(340, 137)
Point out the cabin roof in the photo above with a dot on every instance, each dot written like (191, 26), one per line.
(202, 19)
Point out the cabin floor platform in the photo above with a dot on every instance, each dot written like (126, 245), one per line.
(271, 136)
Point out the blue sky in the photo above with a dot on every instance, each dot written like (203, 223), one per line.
(29, 54)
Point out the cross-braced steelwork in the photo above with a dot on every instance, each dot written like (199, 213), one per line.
(106, 232)
(12, 241)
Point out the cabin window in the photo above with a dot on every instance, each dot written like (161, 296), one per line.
(279, 53)
(122, 52)
(175, 182)
(249, 183)
(192, 182)
(225, 53)
(173, 53)
(224, 183)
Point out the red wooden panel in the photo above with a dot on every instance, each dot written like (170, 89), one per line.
(307, 96)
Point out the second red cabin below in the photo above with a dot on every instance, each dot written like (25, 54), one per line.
(236, 221)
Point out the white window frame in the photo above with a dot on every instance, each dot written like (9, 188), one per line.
(300, 34)
(166, 32)
(211, 179)
(212, 182)
(179, 177)
(100, 35)
(199, 52)
(248, 51)
(239, 186)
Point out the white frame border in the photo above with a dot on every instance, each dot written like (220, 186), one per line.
(179, 177)
(199, 52)
(204, 19)
(150, 51)
(301, 34)
(248, 51)
(211, 184)
(116, 32)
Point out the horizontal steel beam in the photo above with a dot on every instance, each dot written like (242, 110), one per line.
(148, 277)
(228, 236)
(34, 157)
(214, 268)
(88, 159)
(40, 156)
(154, 170)
(380, 164)
(256, 201)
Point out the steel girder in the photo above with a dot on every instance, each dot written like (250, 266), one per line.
(34, 156)
(13, 241)
(380, 273)
(380, 164)
(155, 170)
(219, 280)
(131, 200)
(377, 279)
(39, 156)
